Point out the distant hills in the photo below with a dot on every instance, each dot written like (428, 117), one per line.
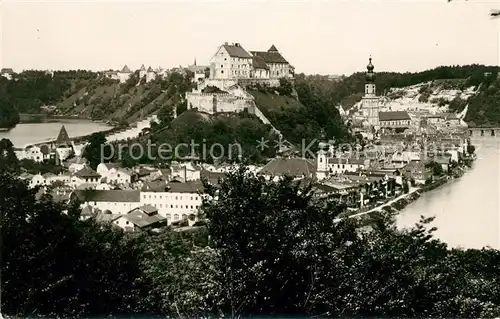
(94, 96)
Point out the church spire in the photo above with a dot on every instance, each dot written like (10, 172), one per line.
(194, 61)
(370, 76)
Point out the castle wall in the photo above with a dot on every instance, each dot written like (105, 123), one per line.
(231, 103)
(269, 82)
(217, 102)
(204, 102)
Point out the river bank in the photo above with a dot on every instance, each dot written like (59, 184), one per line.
(396, 205)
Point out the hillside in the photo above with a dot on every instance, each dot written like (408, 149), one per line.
(92, 95)
(215, 137)
(443, 88)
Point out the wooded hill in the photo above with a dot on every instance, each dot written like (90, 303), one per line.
(92, 95)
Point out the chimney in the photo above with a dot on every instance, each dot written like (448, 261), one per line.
(236, 44)
(225, 43)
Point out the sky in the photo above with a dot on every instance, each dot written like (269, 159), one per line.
(317, 37)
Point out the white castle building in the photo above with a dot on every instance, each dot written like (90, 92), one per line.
(232, 68)
(232, 61)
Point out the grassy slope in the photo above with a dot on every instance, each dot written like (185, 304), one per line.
(269, 102)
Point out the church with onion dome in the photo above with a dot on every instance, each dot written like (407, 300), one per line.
(371, 103)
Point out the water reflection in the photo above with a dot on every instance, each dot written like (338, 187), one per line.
(467, 209)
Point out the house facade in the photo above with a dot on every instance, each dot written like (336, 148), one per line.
(85, 176)
(175, 201)
(115, 174)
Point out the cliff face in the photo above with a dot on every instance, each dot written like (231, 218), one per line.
(433, 97)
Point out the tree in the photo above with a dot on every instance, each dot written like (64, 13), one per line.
(272, 258)
(470, 149)
(96, 149)
(53, 264)
(8, 159)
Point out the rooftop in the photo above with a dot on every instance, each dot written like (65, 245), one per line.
(237, 51)
(289, 166)
(87, 172)
(393, 116)
(108, 196)
(142, 218)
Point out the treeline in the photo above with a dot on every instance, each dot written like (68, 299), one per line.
(30, 90)
(269, 248)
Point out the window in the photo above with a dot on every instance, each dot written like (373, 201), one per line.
(126, 223)
(176, 206)
(171, 206)
(176, 197)
(221, 66)
(222, 72)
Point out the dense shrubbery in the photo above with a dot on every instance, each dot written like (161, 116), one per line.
(272, 250)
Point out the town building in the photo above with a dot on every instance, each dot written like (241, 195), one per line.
(140, 219)
(124, 74)
(328, 165)
(297, 168)
(115, 174)
(85, 176)
(175, 200)
(7, 73)
(393, 120)
(115, 201)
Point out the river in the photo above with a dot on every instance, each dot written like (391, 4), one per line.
(25, 134)
(466, 209)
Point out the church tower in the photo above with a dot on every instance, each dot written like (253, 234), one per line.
(370, 80)
(370, 102)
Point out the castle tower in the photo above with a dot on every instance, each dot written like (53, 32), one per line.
(370, 103)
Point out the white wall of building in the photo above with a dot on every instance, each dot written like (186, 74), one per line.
(227, 67)
(113, 207)
(172, 205)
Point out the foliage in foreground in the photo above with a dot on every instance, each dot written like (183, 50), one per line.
(268, 248)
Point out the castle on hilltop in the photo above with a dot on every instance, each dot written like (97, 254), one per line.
(232, 61)
(232, 69)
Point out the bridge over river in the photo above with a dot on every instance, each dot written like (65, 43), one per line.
(484, 131)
